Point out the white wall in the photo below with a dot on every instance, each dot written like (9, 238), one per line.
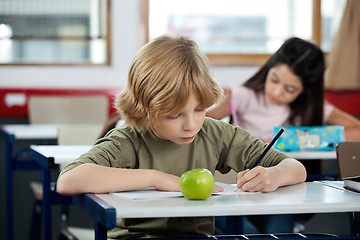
(229, 76)
(125, 43)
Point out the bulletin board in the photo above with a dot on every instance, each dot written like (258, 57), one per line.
(14, 102)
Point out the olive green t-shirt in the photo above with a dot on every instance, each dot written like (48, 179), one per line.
(217, 146)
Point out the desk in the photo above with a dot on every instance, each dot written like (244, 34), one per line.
(310, 197)
(306, 155)
(12, 133)
(31, 131)
(47, 157)
(105, 208)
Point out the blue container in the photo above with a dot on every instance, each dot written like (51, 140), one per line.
(316, 138)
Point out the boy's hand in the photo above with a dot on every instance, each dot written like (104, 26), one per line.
(258, 179)
(218, 189)
(167, 182)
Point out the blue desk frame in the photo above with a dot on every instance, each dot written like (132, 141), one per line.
(50, 197)
(103, 214)
(12, 164)
(105, 218)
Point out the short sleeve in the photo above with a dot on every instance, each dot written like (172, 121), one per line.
(328, 108)
(240, 96)
(114, 150)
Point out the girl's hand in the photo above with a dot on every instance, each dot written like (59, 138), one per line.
(258, 179)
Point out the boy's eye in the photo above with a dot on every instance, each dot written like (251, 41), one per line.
(199, 109)
(173, 116)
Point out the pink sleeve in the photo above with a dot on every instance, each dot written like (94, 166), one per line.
(240, 97)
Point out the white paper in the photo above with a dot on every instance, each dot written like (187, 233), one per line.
(229, 189)
(151, 193)
(147, 194)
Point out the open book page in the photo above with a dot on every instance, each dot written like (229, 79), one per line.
(151, 193)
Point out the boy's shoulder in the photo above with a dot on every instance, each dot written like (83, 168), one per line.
(123, 131)
(212, 125)
(213, 122)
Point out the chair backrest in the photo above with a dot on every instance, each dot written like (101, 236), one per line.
(79, 134)
(68, 109)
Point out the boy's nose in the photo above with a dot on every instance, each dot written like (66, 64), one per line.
(189, 124)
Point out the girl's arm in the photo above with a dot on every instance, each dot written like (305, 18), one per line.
(267, 179)
(351, 124)
(95, 178)
(222, 109)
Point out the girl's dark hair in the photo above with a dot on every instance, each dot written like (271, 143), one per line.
(305, 60)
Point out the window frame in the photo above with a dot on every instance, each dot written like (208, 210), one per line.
(244, 59)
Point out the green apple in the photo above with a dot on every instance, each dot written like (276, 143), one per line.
(197, 184)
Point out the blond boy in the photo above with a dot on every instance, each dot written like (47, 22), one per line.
(164, 103)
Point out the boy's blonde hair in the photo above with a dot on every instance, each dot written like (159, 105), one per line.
(161, 77)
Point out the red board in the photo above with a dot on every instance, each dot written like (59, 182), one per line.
(18, 107)
(348, 101)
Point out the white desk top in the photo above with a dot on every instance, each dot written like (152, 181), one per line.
(304, 155)
(310, 197)
(32, 131)
(63, 153)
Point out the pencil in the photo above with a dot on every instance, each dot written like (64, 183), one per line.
(266, 150)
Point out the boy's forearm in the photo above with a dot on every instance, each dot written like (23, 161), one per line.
(99, 179)
(290, 171)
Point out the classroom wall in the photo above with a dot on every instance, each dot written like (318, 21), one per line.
(126, 35)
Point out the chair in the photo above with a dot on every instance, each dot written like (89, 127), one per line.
(72, 134)
(88, 113)
(79, 134)
(75, 134)
(68, 109)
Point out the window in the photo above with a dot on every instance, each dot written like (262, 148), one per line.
(331, 13)
(74, 32)
(247, 31)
